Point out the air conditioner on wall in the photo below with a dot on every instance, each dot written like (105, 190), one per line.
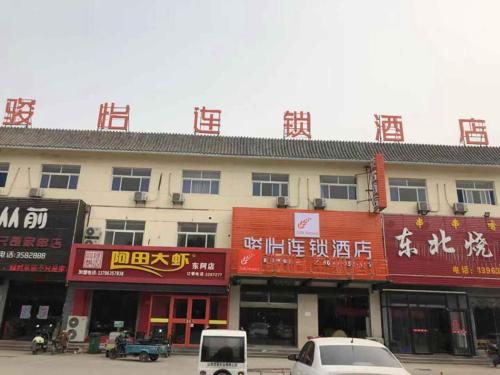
(140, 197)
(423, 208)
(77, 328)
(282, 202)
(177, 198)
(92, 235)
(319, 203)
(36, 193)
(459, 208)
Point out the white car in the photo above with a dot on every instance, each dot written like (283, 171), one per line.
(345, 356)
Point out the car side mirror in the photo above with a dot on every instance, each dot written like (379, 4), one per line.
(293, 357)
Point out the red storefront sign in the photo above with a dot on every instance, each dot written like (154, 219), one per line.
(307, 244)
(149, 264)
(457, 251)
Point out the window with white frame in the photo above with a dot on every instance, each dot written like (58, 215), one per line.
(57, 176)
(131, 179)
(408, 190)
(269, 185)
(196, 234)
(200, 182)
(476, 192)
(4, 171)
(338, 187)
(124, 232)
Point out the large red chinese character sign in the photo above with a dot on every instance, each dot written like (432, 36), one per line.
(473, 132)
(207, 121)
(18, 112)
(297, 125)
(389, 128)
(441, 250)
(112, 117)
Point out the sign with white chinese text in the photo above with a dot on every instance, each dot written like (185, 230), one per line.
(441, 250)
(345, 245)
(148, 264)
(36, 234)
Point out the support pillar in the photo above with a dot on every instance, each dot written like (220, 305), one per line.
(234, 307)
(375, 316)
(307, 317)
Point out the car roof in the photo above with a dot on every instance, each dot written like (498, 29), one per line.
(223, 332)
(321, 341)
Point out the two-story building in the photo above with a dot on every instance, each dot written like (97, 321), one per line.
(277, 237)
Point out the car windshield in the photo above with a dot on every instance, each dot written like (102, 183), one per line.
(223, 349)
(354, 355)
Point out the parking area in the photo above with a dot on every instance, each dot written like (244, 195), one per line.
(22, 363)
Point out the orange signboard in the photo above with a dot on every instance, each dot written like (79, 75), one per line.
(307, 244)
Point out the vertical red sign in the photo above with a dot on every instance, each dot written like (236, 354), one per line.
(379, 193)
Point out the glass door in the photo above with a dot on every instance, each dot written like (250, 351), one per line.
(420, 331)
(459, 333)
(198, 319)
(189, 316)
(178, 320)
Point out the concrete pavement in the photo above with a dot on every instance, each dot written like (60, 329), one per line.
(23, 363)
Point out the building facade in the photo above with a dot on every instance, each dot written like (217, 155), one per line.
(172, 194)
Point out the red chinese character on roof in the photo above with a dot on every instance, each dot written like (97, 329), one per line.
(473, 132)
(389, 128)
(207, 121)
(19, 112)
(112, 117)
(297, 125)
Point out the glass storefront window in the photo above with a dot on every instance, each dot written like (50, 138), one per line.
(267, 326)
(110, 306)
(19, 322)
(399, 323)
(343, 315)
(427, 323)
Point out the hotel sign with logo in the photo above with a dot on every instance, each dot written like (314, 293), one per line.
(298, 243)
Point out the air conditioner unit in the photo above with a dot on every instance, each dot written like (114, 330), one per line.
(140, 197)
(77, 328)
(282, 202)
(319, 203)
(92, 235)
(36, 193)
(460, 208)
(177, 198)
(423, 208)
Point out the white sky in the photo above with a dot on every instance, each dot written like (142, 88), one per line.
(431, 61)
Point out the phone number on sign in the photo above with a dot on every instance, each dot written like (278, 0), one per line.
(22, 255)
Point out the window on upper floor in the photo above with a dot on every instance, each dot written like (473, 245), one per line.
(476, 192)
(4, 171)
(56, 176)
(408, 190)
(131, 179)
(200, 182)
(338, 187)
(196, 234)
(124, 232)
(269, 185)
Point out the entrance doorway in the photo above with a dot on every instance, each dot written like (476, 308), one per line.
(189, 316)
(182, 318)
(29, 304)
(425, 323)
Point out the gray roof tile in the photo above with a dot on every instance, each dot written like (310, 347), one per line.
(86, 140)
